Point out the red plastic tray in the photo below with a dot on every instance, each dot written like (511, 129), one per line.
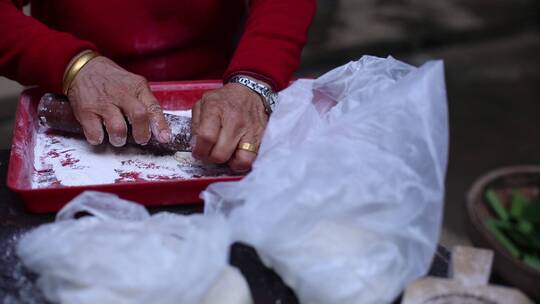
(172, 96)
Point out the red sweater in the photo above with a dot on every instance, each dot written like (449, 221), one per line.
(158, 39)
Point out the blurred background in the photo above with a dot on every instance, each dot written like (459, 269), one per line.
(491, 51)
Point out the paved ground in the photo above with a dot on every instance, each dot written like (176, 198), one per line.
(346, 28)
(491, 50)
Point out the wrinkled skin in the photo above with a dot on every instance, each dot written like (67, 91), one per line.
(223, 119)
(104, 94)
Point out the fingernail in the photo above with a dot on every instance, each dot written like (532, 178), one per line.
(165, 136)
(117, 141)
(193, 141)
(93, 142)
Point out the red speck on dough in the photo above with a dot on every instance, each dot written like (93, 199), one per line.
(69, 161)
(140, 164)
(53, 154)
(128, 177)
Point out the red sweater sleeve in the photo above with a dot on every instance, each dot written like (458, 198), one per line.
(31, 53)
(272, 42)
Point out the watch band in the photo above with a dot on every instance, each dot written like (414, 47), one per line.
(268, 95)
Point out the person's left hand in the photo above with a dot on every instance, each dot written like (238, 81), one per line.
(225, 118)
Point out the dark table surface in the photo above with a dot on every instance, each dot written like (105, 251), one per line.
(17, 284)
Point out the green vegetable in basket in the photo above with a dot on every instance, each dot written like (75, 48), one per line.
(501, 238)
(496, 205)
(516, 229)
(518, 203)
(531, 212)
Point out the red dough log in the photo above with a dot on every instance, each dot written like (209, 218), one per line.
(54, 112)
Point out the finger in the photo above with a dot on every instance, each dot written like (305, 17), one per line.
(92, 127)
(139, 119)
(229, 137)
(206, 132)
(195, 118)
(242, 160)
(158, 123)
(116, 126)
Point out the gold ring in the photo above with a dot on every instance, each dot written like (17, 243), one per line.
(248, 147)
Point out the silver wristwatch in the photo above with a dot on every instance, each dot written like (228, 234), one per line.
(269, 97)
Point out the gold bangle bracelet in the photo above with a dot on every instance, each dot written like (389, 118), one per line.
(75, 67)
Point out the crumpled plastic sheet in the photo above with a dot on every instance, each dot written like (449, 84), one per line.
(345, 199)
(124, 255)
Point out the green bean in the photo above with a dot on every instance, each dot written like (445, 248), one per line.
(496, 205)
(503, 240)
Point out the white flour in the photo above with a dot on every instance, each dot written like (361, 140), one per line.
(71, 161)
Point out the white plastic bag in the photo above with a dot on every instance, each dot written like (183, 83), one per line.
(345, 198)
(124, 255)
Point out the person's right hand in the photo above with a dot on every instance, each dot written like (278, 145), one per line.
(104, 94)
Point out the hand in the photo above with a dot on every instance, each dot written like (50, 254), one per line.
(224, 118)
(103, 93)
